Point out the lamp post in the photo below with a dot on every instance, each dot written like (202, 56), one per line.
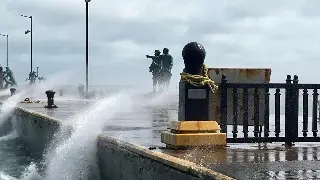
(6, 35)
(87, 44)
(26, 32)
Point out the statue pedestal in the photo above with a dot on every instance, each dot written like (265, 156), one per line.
(191, 134)
(193, 102)
(195, 128)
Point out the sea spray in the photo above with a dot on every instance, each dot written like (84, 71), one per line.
(55, 81)
(36, 90)
(4, 176)
(12, 135)
(169, 99)
(31, 173)
(9, 104)
(7, 107)
(75, 157)
(72, 154)
(5, 92)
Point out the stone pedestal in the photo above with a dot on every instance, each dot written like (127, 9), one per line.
(191, 134)
(193, 103)
(194, 128)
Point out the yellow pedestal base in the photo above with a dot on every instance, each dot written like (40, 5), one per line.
(188, 134)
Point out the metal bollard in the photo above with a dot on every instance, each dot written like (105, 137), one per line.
(50, 96)
(13, 91)
(60, 92)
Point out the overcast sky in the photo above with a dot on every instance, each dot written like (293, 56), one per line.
(282, 35)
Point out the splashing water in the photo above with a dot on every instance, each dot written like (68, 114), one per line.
(34, 90)
(10, 136)
(161, 100)
(75, 158)
(4, 176)
(8, 106)
(5, 92)
(54, 81)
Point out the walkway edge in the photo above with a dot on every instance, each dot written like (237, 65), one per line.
(171, 161)
(37, 128)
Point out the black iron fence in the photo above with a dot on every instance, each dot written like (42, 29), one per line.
(261, 131)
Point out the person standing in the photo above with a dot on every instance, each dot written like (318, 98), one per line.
(167, 64)
(155, 69)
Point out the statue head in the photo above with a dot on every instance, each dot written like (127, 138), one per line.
(157, 52)
(165, 51)
(193, 55)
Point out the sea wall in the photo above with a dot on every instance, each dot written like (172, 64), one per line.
(118, 160)
(35, 130)
(125, 161)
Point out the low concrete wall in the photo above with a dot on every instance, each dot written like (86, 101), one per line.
(118, 160)
(6, 126)
(35, 130)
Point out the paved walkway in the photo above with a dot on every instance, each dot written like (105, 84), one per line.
(242, 161)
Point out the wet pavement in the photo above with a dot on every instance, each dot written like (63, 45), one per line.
(65, 111)
(241, 161)
(251, 161)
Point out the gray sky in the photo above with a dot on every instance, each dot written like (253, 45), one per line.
(282, 35)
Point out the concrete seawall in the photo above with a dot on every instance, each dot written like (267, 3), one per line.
(35, 130)
(118, 160)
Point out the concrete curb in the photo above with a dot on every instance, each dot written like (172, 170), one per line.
(174, 162)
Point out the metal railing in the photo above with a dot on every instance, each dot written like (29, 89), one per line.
(291, 120)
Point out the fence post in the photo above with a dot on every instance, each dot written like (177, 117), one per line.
(288, 112)
(223, 104)
(318, 110)
(295, 108)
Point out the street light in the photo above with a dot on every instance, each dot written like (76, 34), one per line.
(87, 42)
(26, 32)
(6, 35)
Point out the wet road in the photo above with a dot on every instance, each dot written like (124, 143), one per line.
(242, 161)
(251, 161)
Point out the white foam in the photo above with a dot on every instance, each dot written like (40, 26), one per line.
(31, 173)
(10, 136)
(4, 176)
(75, 157)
